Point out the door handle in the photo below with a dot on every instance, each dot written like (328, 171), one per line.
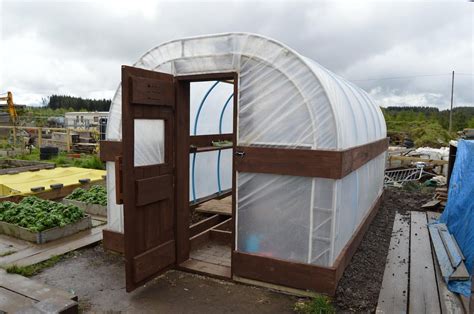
(239, 153)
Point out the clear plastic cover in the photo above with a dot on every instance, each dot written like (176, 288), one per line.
(284, 100)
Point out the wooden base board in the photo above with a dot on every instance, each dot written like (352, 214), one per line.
(206, 269)
(113, 241)
(278, 288)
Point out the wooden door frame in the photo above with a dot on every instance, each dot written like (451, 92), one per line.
(182, 136)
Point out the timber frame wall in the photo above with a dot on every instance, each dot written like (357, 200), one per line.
(295, 162)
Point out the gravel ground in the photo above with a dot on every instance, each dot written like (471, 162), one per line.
(359, 288)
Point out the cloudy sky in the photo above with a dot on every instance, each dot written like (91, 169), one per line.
(401, 52)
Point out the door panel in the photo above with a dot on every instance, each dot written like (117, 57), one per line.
(148, 102)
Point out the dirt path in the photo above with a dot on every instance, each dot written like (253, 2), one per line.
(98, 280)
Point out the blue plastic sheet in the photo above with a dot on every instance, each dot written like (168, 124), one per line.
(459, 212)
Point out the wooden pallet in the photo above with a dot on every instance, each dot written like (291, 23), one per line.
(412, 279)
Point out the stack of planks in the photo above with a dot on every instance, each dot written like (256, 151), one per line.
(412, 279)
(448, 254)
(441, 194)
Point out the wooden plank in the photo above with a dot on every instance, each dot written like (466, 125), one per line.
(418, 159)
(393, 297)
(113, 241)
(216, 196)
(206, 140)
(153, 189)
(431, 204)
(357, 156)
(286, 273)
(209, 149)
(450, 247)
(12, 302)
(31, 288)
(109, 150)
(182, 229)
(205, 224)
(221, 207)
(307, 162)
(440, 255)
(207, 269)
(153, 260)
(151, 91)
(282, 289)
(296, 162)
(449, 301)
(423, 286)
(460, 273)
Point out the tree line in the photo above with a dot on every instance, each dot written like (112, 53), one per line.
(463, 117)
(76, 103)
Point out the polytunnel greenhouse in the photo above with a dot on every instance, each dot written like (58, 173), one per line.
(294, 151)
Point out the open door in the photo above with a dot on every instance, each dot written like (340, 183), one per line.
(148, 186)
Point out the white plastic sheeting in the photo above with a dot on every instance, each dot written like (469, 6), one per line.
(285, 100)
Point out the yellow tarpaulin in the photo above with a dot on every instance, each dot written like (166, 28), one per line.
(21, 183)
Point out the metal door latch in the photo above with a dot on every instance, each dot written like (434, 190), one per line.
(239, 153)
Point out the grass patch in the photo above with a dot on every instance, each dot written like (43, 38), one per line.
(7, 253)
(62, 160)
(318, 305)
(32, 270)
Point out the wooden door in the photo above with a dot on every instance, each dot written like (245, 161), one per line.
(148, 105)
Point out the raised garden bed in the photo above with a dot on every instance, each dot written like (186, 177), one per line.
(48, 234)
(12, 166)
(37, 220)
(93, 209)
(93, 201)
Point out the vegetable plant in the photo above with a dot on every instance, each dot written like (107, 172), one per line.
(97, 194)
(36, 214)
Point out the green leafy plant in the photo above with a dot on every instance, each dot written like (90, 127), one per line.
(36, 214)
(97, 194)
(318, 305)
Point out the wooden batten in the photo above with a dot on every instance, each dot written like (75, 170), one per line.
(113, 241)
(206, 140)
(307, 162)
(109, 150)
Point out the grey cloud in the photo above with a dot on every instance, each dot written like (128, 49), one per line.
(357, 41)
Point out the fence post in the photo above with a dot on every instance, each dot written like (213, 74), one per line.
(40, 136)
(68, 140)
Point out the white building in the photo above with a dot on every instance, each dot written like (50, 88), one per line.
(84, 119)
